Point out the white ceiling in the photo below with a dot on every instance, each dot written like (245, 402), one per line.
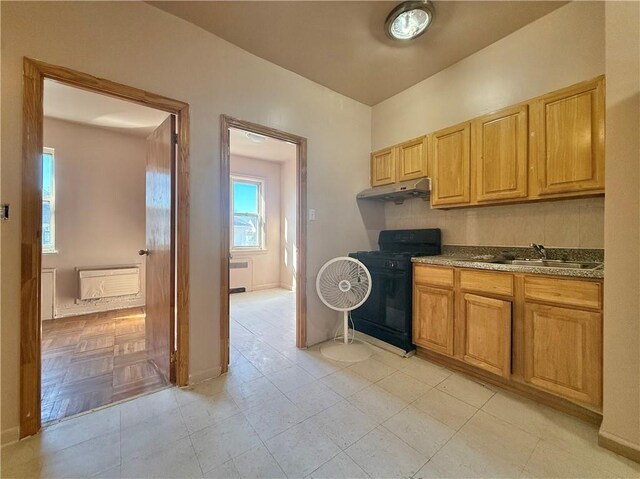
(342, 44)
(80, 106)
(269, 149)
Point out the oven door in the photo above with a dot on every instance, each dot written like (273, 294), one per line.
(386, 314)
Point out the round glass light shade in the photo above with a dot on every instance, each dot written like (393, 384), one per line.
(409, 20)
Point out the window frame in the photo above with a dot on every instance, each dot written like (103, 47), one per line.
(51, 247)
(262, 218)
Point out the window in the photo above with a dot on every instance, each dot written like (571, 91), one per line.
(247, 229)
(48, 201)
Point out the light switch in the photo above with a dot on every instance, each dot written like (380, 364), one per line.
(312, 214)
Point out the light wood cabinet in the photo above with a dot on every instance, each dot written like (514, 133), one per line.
(567, 132)
(563, 351)
(542, 334)
(450, 152)
(487, 333)
(383, 167)
(499, 154)
(549, 147)
(433, 310)
(411, 159)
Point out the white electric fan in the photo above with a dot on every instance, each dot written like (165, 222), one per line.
(343, 284)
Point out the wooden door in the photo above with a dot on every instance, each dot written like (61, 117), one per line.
(450, 164)
(383, 167)
(433, 319)
(487, 333)
(568, 139)
(563, 351)
(411, 159)
(499, 153)
(159, 327)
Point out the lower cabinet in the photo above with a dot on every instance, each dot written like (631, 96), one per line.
(433, 318)
(539, 331)
(487, 333)
(563, 351)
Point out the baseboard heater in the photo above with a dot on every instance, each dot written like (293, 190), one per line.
(94, 283)
(240, 275)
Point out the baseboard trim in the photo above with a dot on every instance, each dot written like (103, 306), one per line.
(288, 287)
(9, 436)
(204, 375)
(80, 309)
(260, 287)
(619, 445)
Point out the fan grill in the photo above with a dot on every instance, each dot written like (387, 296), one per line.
(343, 284)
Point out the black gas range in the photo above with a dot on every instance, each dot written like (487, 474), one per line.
(386, 314)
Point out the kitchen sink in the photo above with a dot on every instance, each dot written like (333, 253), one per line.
(548, 263)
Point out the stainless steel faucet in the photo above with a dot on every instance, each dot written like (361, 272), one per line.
(539, 249)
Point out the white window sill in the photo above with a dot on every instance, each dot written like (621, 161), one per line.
(50, 251)
(248, 252)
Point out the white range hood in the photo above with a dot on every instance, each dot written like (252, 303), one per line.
(398, 192)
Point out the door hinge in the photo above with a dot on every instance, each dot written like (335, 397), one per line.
(174, 356)
(175, 138)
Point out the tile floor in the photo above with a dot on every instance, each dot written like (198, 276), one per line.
(282, 412)
(92, 360)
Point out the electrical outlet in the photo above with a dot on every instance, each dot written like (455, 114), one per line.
(312, 214)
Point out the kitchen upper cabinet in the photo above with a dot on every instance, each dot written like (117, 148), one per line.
(450, 166)
(433, 318)
(486, 333)
(411, 158)
(563, 351)
(567, 147)
(383, 167)
(499, 154)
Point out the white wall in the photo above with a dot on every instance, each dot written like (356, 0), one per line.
(559, 49)
(100, 207)
(138, 45)
(266, 264)
(622, 236)
(288, 224)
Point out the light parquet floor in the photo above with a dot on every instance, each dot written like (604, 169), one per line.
(92, 360)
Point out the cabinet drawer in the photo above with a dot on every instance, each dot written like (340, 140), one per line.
(582, 294)
(487, 282)
(435, 275)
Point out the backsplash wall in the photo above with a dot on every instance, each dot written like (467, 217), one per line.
(568, 223)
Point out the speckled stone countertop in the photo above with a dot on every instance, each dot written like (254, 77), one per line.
(480, 257)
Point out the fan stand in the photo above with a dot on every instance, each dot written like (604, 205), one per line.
(345, 351)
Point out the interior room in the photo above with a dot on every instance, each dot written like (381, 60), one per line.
(93, 278)
(263, 249)
(386, 239)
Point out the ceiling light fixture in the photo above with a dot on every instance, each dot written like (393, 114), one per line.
(409, 20)
(255, 137)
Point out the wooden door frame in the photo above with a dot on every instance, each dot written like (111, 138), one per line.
(34, 74)
(227, 122)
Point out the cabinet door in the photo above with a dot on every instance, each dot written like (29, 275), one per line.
(499, 153)
(487, 333)
(563, 351)
(412, 159)
(450, 162)
(383, 167)
(433, 319)
(568, 131)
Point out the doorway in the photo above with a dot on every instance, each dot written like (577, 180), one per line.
(263, 275)
(105, 243)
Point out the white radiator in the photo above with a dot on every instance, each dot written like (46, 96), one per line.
(241, 274)
(108, 282)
